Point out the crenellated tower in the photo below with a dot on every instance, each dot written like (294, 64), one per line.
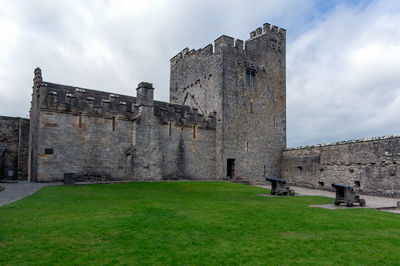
(245, 84)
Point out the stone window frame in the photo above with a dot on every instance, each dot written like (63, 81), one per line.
(250, 78)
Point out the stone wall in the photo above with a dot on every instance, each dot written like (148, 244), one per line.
(172, 141)
(255, 117)
(371, 166)
(14, 141)
(104, 136)
(251, 121)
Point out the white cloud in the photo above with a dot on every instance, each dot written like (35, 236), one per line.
(343, 74)
(343, 66)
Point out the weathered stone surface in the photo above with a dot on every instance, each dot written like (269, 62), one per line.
(371, 166)
(251, 121)
(14, 139)
(103, 136)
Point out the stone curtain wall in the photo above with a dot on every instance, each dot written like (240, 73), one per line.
(14, 139)
(172, 141)
(370, 166)
(93, 152)
(187, 142)
(103, 136)
(82, 131)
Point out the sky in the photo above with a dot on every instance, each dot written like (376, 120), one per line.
(343, 57)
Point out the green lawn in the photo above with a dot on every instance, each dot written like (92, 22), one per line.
(190, 223)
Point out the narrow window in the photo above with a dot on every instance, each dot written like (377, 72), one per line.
(320, 183)
(113, 123)
(170, 129)
(48, 151)
(357, 183)
(80, 119)
(194, 132)
(250, 78)
(247, 146)
(251, 107)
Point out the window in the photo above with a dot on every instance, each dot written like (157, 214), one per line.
(170, 129)
(113, 123)
(250, 78)
(194, 132)
(48, 151)
(251, 107)
(80, 119)
(247, 146)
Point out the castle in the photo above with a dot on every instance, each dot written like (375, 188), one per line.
(226, 119)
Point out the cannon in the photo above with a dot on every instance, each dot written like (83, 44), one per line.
(278, 187)
(346, 194)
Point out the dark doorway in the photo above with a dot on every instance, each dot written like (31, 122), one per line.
(230, 173)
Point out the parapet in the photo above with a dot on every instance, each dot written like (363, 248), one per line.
(267, 30)
(344, 142)
(226, 42)
(185, 53)
(182, 115)
(71, 99)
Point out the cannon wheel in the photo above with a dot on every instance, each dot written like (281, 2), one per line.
(349, 204)
(337, 203)
(291, 192)
(280, 193)
(362, 202)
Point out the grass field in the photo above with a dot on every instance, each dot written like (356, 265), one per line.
(190, 223)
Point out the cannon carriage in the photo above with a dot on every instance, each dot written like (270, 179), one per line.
(278, 187)
(345, 194)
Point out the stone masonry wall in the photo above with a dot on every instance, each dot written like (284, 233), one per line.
(255, 117)
(14, 141)
(172, 141)
(84, 132)
(103, 136)
(370, 166)
(250, 122)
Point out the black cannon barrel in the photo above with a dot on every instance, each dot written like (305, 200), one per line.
(273, 179)
(341, 186)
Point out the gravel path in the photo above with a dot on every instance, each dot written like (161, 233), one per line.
(373, 202)
(22, 189)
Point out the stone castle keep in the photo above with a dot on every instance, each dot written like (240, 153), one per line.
(226, 119)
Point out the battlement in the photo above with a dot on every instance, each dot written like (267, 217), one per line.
(183, 115)
(185, 53)
(275, 33)
(63, 98)
(69, 99)
(267, 29)
(344, 142)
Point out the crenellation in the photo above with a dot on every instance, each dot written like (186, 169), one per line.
(223, 42)
(239, 44)
(258, 31)
(266, 28)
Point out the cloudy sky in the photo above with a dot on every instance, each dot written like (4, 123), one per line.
(343, 57)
